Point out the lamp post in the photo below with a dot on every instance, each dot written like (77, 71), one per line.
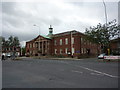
(38, 39)
(108, 50)
(105, 11)
(38, 27)
(71, 44)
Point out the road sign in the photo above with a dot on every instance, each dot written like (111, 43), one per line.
(111, 57)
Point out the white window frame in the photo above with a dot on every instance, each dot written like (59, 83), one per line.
(33, 51)
(55, 42)
(30, 45)
(81, 39)
(55, 51)
(66, 41)
(66, 50)
(72, 40)
(60, 41)
(33, 44)
(30, 52)
(73, 50)
(82, 51)
(60, 51)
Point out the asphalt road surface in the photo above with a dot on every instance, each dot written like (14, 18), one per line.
(35, 73)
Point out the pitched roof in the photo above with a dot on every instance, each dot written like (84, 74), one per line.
(67, 33)
(57, 35)
(39, 36)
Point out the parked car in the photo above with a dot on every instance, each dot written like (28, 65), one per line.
(101, 56)
(8, 56)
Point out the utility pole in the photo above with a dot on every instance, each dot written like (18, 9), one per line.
(105, 11)
(108, 50)
(38, 39)
(71, 45)
(38, 27)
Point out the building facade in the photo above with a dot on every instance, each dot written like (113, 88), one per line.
(9, 51)
(115, 46)
(71, 43)
(38, 46)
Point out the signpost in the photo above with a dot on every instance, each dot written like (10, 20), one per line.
(111, 57)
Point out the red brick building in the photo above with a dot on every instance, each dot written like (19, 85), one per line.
(9, 51)
(39, 46)
(115, 46)
(71, 43)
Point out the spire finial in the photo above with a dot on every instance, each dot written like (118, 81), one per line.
(50, 26)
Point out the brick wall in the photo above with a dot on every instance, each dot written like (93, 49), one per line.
(60, 44)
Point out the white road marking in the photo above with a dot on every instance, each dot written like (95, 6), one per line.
(96, 74)
(77, 71)
(102, 73)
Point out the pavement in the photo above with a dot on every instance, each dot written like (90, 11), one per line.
(44, 73)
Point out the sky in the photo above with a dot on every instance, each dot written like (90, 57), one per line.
(19, 18)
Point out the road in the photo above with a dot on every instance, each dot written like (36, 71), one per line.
(35, 73)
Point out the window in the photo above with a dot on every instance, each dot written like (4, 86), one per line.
(30, 45)
(36, 45)
(30, 52)
(55, 51)
(60, 51)
(33, 44)
(11, 49)
(90, 43)
(33, 51)
(60, 41)
(55, 43)
(66, 50)
(81, 50)
(84, 50)
(66, 41)
(81, 39)
(15, 48)
(72, 40)
(73, 50)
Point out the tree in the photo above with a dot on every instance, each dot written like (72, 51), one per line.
(10, 40)
(13, 41)
(102, 34)
(23, 51)
(16, 41)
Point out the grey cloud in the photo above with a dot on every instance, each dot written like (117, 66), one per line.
(15, 22)
(8, 8)
(19, 18)
(22, 36)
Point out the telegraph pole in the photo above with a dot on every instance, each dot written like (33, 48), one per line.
(105, 11)
(38, 39)
(108, 50)
(71, 45)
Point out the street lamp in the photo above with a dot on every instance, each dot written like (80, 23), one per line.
(38, 39)
(105, 11)
(38, 27)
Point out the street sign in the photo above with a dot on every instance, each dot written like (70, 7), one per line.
(77, 51)
(111, 57)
